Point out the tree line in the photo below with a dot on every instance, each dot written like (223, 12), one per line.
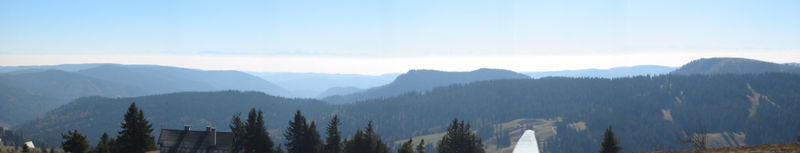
(251, 136)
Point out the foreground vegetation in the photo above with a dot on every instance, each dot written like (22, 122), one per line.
(251, 136)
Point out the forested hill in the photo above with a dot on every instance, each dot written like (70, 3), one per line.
(164, 79)
(423, 80)
(19, 105)
(733, 65)
(569, 114)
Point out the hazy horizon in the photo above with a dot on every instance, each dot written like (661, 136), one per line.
(378, 37)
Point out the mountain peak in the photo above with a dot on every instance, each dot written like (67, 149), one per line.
(731, 65)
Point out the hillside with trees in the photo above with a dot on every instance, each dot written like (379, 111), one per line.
(424, 80)
(614, 72)
(30, 92)
(722, 65)
(648, 113)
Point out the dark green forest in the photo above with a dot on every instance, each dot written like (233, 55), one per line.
(647, 112)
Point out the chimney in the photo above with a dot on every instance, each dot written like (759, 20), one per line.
(187, 128)
(213, 132)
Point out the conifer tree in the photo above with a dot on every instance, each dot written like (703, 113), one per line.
(104, 145)
(238, 129)
(407, 147)
(366, 142)
(313, 139)
(333, 142)
(460, 139)
(135, 135)
(258, 140)
(421, 146)
(610, 143)
(74, 142)
(250, 136)
(296, 135)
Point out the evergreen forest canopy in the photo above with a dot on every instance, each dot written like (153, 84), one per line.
(646, 111)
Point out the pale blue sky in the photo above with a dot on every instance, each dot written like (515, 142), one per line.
(405, 29)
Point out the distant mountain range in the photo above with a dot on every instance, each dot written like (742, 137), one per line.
(48, 87)
(424, 80)
(569, 114)
(615, 72)
(312, 85)
(733, 66)
(55, 87)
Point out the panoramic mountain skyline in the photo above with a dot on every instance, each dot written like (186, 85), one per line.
(395, 36)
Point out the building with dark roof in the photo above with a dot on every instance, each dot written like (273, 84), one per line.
(187, 141)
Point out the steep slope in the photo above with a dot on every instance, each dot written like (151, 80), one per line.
(19, 105)
(423, 80)
(732, 65)
(606, 73)
(569, 114)
(162, 79)
(310, 85)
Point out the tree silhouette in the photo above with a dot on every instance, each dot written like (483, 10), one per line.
(74, 142)
(104, 145)
(135, 135)
(333, 142)
(407, 147)
(460, 139)
(610, 143)
(421, 146)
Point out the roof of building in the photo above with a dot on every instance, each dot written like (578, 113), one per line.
(194, 139)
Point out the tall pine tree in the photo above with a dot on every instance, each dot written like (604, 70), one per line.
(333, 142)
(74, 142)
(300, 137)
(135, 135)
(313, 139)
(104, 145)
(460, 139)
(238, 129)
(250, 136)
(258, 140)
(610, 143)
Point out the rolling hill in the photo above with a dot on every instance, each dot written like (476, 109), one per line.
(733, 65)
(423, 80)
(162, 79)
(569, 114)
(606, 73)
(19, 105)
(53, 87)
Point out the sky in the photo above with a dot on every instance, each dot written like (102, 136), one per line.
(375, 37)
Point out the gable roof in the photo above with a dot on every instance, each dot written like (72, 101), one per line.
(194, 139)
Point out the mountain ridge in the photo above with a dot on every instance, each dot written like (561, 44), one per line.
(423, 80)
(723, 65)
